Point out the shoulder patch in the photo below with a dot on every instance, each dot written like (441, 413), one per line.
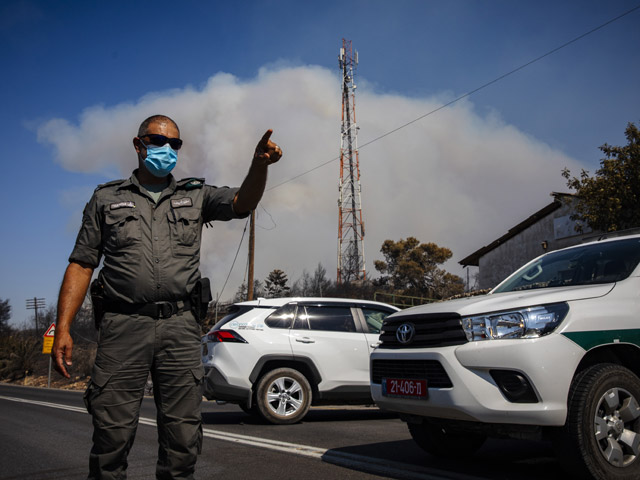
(191, 183)
(110, 184)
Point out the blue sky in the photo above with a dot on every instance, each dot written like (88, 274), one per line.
(85, 73)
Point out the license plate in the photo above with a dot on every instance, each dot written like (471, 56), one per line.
(404, 388)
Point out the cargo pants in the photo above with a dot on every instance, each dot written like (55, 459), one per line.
(129, 347)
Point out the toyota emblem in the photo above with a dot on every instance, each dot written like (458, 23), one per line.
(405, 333)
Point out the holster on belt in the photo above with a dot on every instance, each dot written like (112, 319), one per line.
(200, 298)
(97, 300)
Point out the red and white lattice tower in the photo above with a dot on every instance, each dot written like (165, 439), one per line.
(351, 267)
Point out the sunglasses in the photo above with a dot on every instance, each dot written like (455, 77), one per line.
(160, 140)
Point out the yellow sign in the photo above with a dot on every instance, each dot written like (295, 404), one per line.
(49, 335)
(47, 344)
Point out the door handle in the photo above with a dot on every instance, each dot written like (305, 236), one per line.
(305, 340)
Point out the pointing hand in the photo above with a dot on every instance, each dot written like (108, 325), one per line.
(267, 152)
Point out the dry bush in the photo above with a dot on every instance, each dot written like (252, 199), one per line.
(83, 358)
(18, 355)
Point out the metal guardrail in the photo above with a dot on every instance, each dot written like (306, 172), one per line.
(401, 301)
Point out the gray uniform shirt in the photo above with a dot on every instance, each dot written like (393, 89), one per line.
(151, 250)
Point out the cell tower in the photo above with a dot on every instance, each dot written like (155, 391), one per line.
(351, 267)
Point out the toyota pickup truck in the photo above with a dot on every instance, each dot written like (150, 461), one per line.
(553, 352)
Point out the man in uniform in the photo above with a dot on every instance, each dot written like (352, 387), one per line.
(147, 229)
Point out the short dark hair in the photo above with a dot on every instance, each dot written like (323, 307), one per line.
(144, 126)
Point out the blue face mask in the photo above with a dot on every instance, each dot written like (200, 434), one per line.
(160, 160)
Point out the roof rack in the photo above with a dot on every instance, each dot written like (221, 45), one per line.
(604, 235)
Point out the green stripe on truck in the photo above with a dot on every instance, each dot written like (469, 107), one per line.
(589, 340)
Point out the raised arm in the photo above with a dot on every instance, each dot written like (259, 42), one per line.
(252, 188)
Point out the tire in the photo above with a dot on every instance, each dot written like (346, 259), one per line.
(283, 396)
(601, 438)
(438, 441)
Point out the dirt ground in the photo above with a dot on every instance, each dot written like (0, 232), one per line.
(57, 381)
(40, 374)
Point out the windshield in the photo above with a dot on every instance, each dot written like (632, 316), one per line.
(605, 262)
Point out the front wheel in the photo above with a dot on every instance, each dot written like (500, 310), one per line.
(601, 438)
(440, 441)
(283, 396)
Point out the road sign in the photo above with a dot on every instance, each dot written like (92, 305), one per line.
(47, 344)
(51, 331)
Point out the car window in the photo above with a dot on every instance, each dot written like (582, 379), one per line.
(302, 320)
(605, 262)
(374, 318)
(332, 319)
(234, 312)
(282, 318)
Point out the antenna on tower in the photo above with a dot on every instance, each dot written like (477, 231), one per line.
(351, 266)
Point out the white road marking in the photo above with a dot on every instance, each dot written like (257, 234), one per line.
(45, 404)
(369, 464)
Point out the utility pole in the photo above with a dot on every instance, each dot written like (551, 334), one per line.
(252, 250)
(351, 265)
(34, 304)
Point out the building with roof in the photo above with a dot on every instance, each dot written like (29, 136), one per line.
(550, 228)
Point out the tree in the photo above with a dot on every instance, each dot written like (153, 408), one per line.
(320, 284)
(276, 284)
(317, 285)
(5, 316)
(364, 290)
(242, 292)
(610, 200)
(83, 328)
(411, 268)
(302, 286)
(45, 318)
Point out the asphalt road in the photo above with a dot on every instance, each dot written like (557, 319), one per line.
(46, 434)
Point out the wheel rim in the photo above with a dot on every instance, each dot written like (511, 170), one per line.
(617, 428)
(285, 396)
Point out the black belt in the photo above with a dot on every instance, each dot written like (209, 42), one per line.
(154, 310)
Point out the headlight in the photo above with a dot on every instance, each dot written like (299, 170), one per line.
(529, 322)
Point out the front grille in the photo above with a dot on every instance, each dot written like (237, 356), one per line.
(431, 330)
(430, 370)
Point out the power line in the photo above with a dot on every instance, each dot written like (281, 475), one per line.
(475, 90)
(457, 99)
(234, 261)
(275, 225)
(238, 251)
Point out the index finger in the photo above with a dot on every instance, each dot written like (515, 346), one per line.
(58, 364)
(264, 141)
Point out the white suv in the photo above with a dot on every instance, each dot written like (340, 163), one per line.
(552, 352)
(277, 357)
